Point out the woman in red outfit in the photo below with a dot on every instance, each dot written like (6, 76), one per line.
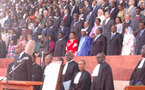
(72, 44)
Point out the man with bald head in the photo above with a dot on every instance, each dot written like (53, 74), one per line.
(70, 68)
(114, 44)
(138, 75)
(102, 75)
(24, 71)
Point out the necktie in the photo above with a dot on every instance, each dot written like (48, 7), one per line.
(112, 36)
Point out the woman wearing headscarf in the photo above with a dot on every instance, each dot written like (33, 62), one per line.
(128, 42)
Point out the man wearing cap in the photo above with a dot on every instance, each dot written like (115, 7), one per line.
(84, 44)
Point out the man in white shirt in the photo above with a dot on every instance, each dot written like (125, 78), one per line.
(82, 79)
(138, 75)
(70, 68)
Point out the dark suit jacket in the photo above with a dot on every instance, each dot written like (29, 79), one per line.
(76, 10)
(99, 45)
(106, 5)
(126, 25)
(92, 19)
(70, 71)
(114, 45)
(60, 47)
(76, 28)
(140, 41)
(36, 72)
(57, 22)
(51, 32)
(114, 13)
(36, 33)
(137, 20)
(67, 20)
(107, 27)
(3, 49)
(65, 32)
(24, 71)
(9, 77)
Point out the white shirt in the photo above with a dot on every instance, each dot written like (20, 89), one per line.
(119, 27)
(97, 37)
(107, 19)
(141, 63)
(77, 78)
(96, 70)
(65, 67)
(21, 54)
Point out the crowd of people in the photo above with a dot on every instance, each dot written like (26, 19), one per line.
(84, 27)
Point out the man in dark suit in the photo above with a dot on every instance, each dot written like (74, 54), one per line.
(139, 18)
(140, 38)
(107, 24)
(90, 17)
(113, 10)
(67, 17)
(104, 5)
(51, 31)
(114, 44)
(76, 26)
(60, 46)
(99, 43)
(73, 8)
(138, 76)
(57, 20)
(127, 23)
(70, 68)
(24, 71)
(82, 15)
(36, 72)
(63, 29)
(37, 31)
(95, 8)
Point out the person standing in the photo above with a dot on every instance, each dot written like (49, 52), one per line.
(138, 76)
(60, 45)
(102, 75)
(140, 38)
(99, 43)
(24, 71)
(72, 44)
(70, 68)
(84, 44)
(129, 41)
(82, 79)
(114, 44)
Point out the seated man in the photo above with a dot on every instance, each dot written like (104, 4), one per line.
(138, 75)
(102, 75)
(82, 79)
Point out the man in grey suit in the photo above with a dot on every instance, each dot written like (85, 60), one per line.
(140, 38)
(131, 10)
(76, 26)
(107, 24)
(139, 18)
